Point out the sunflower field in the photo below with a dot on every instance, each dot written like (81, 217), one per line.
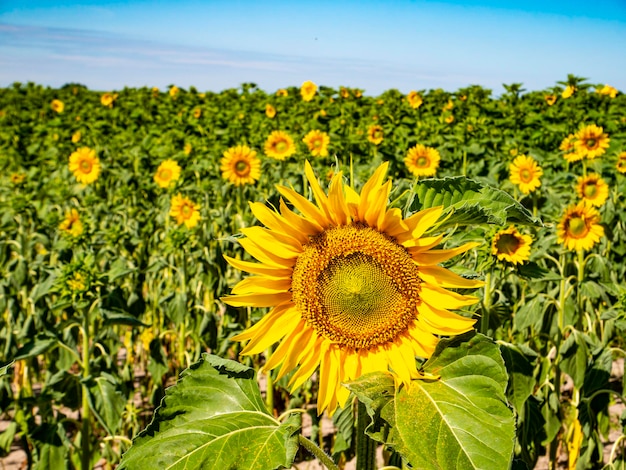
(257, 280)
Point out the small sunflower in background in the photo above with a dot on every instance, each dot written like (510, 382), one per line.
(317, 143)
(57, 106)
(85, 165)
(240, 165)
(185, 211)
(279, 145)
(579, 228)
(607, 90)
(174, 91)
(354, 286)
(17, 178)
(197, 113)
(415, 99)
(422, 160)
(107, 99)
(550, 99)
(308, 90)
(511, 246)
(568, 92)
(282, 92)
(167, 173)
(72, 224)
(525, 173)
(621, 162)
(375, 134)
(592, 189)
(568, 146)
(270, 111)
(591, 141)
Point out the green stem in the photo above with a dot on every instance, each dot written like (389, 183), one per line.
(317, 452)
(464, 169)
(182, 334)
(85, 456)
(269, 391)
(365, 446)
(486, 303)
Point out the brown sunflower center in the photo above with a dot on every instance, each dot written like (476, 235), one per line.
(242, 168)
(526, 175)
(507, 244)
(590, 190)
(356, 287)
(577, 227)
(186, 210)
(591, 143)
(85, 166)
(422, 162)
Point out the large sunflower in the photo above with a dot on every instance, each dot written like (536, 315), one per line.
(591, 141)
(579, 228)
(317, 143)
(185, 211)
(510, 245)
(422, 161)
(354, 288)
(240, 165)
(85, 165)
(167, 173)
(525, 173)
(592, 189)
(279, 145)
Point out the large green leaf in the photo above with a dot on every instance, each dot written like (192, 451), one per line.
(470, 202)
(460, 420)
(214, 418)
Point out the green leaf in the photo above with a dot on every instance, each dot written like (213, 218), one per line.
(4, 370)
(461, 420)
(106, 403)
(214, 418)
(574, 355)
(39, 345)
(521, 381)
(470, 202)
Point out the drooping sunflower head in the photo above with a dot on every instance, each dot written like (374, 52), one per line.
(354, 286)
(592, 189)
(185, 211)
(525, 173)
(270, 111)
(422, 160)
(579, 228)
(167, 173)
(279, 145)
(107, 99)
(72, 224)
(415, 99)
(375, 134)
(550, 99)
(85, 165)
(511, 246)
(621, 162)
(240, 165)
(57, 106)
(308, 90)
(317, 143)
(591, 141)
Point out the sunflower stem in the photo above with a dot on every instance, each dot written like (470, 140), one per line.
(365, 446)
(269, 389)
(486, 304)
(317, 452)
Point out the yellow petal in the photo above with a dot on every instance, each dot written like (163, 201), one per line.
(278, 244)
(302, 335)
(424, 342)
(308, 209)
(281, 353)
(318, 192)
(438, 276)
(340, 213)
(256, 300)
(259, 268)
(442, 322)
(261, 285)
(443, 298)
(371, 186)
(419, 245)
(439, 256)
(377, 207)
(302, 224)
(308, 364)
(421, 221)
(273, 220)
(392, 223)
(262, 254)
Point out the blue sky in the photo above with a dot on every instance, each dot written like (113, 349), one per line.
(375, 46)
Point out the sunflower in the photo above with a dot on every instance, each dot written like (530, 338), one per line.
(85, 165)
(107, 99)
(57, 106)
(621, 162)
(591, 141)
(317, 143)
(449, 119)
(354, 287)
(550, 99)
(279, 145)
(415, 99)
(344, 92)
(282, 92)
(448, 106)
(240, 165)
(270, 111)
(167, 173)
(174, 91)
(76, 136)
(71, 224)
(569, 91)
(568, 145)
(375, 134)
(525, 172)
(592, 189)
(187, 148)
(422, 161)
(510, 245)
(17, 178)
(607, 90)
(197, 113)
(308, 90)
(185, 211)
(579, 228)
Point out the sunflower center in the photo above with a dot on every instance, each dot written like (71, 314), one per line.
(165, 174)
(186, 211)
(281, 146)
(422, 162)
(507, 244)
(356, 287)
(525, 175)
(591, 143)
(590, 191)
(577, 227)
(85, 166)
(241, 168)
(317, 143)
